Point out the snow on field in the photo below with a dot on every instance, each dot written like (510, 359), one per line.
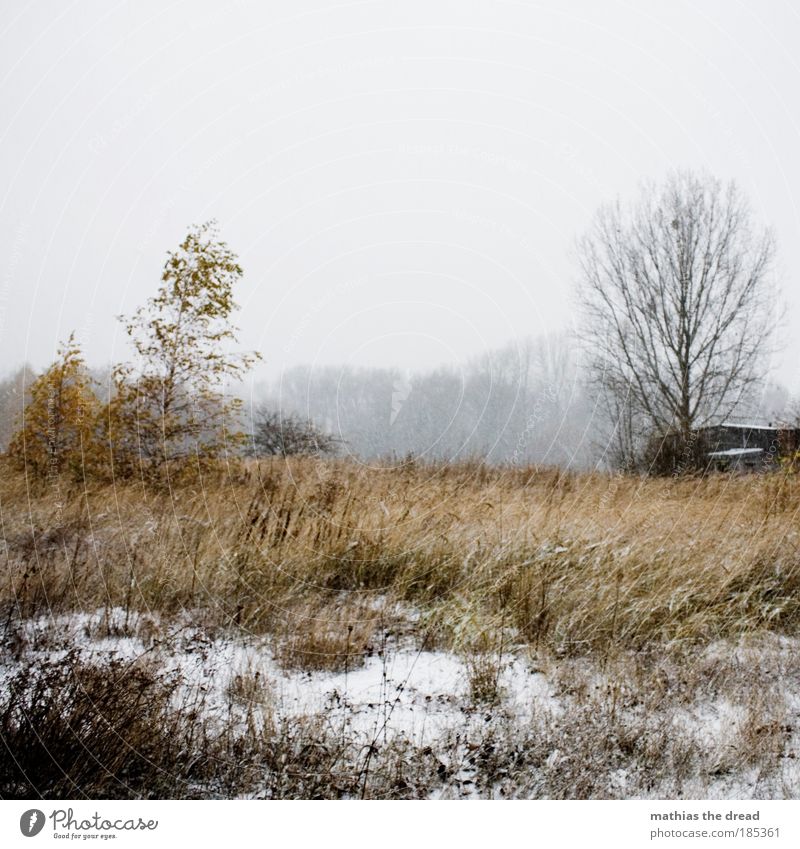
(403, 689)
(423, 695)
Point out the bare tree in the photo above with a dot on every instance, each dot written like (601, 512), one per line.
(678, 308)
(276, 434)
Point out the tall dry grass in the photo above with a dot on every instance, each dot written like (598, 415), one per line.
(317, 551)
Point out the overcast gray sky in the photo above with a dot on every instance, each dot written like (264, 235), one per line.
(403, 181)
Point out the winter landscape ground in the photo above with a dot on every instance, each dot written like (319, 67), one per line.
(320, 629)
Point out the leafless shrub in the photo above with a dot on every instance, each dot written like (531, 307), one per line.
(284, 434)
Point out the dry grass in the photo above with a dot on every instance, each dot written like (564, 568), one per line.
(74, 729)
(336, 637)
(71, 729)
(574, 563)
(617, 588)
(250, 687)
(691, 724)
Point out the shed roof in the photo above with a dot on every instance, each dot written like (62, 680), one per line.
(736, 452)
(751, 426)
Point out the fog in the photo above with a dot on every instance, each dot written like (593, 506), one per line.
(403, 182)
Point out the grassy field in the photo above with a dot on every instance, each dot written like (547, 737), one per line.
(633, 600)
(573, 563)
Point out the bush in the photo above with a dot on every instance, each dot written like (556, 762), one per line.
(276, 434)
(73, 729)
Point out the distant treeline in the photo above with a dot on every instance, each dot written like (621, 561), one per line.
(525, 403)
(520, 404)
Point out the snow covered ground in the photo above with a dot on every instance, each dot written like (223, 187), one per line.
(399, 690)
(727, 727)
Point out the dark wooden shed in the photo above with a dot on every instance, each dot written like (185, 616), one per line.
(748, 446)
